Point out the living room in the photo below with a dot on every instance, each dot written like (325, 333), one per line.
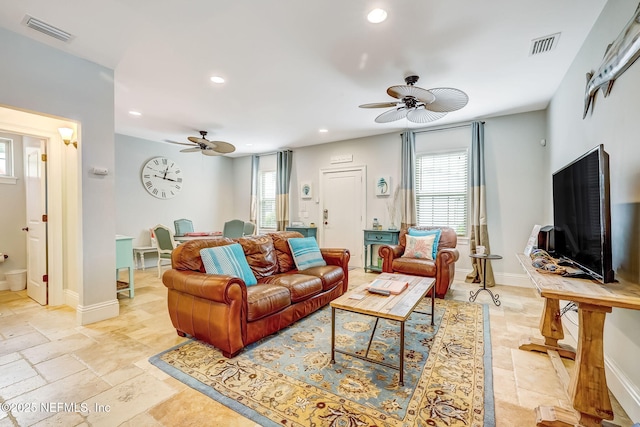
(518, 173)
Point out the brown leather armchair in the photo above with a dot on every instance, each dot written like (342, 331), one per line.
(442, 268)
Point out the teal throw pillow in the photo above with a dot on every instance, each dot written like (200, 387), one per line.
(228, 260)
(306, 253)
(419, 233)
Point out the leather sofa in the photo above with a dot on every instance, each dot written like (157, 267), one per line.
(224, 312)
(443, 268)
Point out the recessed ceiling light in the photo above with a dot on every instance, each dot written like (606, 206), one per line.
(376, 16)
(135, 113)
(217, 79)
(323, 130)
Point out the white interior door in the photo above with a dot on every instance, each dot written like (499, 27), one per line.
(36, 194)
(342, 210)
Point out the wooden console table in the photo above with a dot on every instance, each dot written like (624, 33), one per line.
(587, 387)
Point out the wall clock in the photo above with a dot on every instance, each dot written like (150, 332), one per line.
(162, 177)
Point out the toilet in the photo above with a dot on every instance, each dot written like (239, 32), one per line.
(17, 279)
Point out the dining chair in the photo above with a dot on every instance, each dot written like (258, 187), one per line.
(249, 229)
(233, 229)
(183, 226)
(165, 245)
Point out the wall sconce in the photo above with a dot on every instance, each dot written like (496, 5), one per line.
(66, 134)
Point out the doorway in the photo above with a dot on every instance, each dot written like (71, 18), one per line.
(343, 210)
(35, 179)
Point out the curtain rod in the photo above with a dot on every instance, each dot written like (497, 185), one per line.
(444, 128)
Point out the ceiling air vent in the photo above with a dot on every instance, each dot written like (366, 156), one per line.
(544, 44)
(47, 29)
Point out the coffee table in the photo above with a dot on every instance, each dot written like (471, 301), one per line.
(392, 307)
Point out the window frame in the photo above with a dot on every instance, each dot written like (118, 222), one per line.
(261, 199)
(467, 192)
(9, 176)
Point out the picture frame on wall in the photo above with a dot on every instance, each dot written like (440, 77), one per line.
(383, 186)
(306, 191)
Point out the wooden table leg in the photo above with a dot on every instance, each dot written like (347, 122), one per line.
(551, 330)
(588, 388)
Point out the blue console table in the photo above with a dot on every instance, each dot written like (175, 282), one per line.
(305, 231)
(377, 237)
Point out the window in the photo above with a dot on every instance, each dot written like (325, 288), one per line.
(267, 200)
(6, 157)
(442, 187)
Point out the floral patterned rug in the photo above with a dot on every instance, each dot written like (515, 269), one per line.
(288, 379)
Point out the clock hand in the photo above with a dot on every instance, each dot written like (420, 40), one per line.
(166, 179)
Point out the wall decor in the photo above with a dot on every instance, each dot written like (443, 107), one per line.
(617, 58)
(383, 186)
(305, 190)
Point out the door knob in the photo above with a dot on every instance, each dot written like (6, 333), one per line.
(25, 228)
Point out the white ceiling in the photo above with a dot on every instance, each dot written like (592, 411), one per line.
(293, 67)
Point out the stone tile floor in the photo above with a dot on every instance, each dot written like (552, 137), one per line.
(53, 372)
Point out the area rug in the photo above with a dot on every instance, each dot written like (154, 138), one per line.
(288, 379)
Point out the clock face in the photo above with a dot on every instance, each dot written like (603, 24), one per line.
(162, 177)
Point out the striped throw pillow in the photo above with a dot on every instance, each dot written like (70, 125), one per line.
(228, 260)
(306, 253)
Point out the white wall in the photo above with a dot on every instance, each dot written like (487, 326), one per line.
(516, 163)
(207, 195)
(13, 240)
(50, 82)
(614, 123)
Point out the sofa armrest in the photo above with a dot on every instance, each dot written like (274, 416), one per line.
(209, 307)
(445, 269)
(213, 287)
(335, 256)
(446, 256)
(388, 253)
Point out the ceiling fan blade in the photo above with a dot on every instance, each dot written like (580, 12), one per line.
(420, 115)
(190, 150)
(221, 147)
(447, 99)
(210, 152)
(197, 140)
(402, 91)
(179, 143)
(379, 105)
(392, 115)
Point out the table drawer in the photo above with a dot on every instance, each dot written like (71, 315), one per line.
(379, 237)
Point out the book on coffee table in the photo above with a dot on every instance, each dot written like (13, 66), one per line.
(393, 287)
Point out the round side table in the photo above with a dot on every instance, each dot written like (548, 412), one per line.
(483, 258)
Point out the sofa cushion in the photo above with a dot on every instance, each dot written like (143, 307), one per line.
(187, 255)
(415, 266)
(260, 254)
(306, 253)
(263, 300)
(419, 247)
(301, 286)
(228, 260)
(283, 251)
(436, 232)
(330, 275)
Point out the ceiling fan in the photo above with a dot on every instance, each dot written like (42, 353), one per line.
(419, 105)
(205, 146)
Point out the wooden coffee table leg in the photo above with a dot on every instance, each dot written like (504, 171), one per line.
(401, 382)
(333, 335)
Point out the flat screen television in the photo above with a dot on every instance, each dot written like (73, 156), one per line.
(582, 215)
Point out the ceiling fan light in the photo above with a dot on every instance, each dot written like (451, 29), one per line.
(377, 16)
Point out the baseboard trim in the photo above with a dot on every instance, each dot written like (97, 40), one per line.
(506, 279)
(71, 298)
(4, 285)
(96, 312)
